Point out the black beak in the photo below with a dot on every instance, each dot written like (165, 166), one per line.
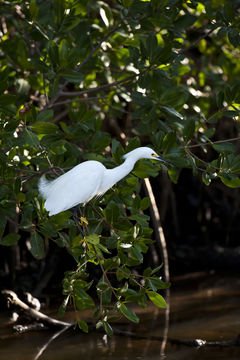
(164, 160)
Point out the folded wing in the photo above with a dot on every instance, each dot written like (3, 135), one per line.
(77, 186)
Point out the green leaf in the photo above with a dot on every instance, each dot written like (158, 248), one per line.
(63, 52)
(117, 151)
(37, 246)
(145, 168)
(44, 128)
(171, 111)
(10, 239)
(104, 292)
(7, 99)
(226, 147)
(145, 203)
(169, 141)
(157, 299)
(102, 285)
(206, 178)
(100, 141)
(185, 21)
(48, 229)
(58, 8)
(192, 162)
(73, 76)
(189, 128)
(151, 46)
(83, 300)
(173, 173)
(220, 99)
(136, 253)
(63, 306)
(33, 8)
(45, 116)
(108, 329)
(58, 147)
(31, 138)
(111, 263)
(154, 271)
(112, 212)
(103, 248)
(127, 3)
(128, 313)
(230, 180)
(233, 36)
(157, 283)
(83, 325)
(140, 218)
(140, 99)
(92, 239)
(229, 11)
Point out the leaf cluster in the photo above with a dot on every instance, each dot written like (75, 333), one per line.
(77, 77)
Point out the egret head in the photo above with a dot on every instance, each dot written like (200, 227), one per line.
(145, 153)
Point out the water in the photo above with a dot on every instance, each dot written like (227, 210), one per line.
(199, 308)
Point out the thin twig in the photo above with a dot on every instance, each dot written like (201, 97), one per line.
(94, 50)
(45, 346)
(98, 88)
(85, 99)
(209, 144)
(196, 42)
(104, 273)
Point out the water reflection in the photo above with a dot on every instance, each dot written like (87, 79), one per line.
(209, 310)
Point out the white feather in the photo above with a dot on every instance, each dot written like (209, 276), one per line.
(87, 180)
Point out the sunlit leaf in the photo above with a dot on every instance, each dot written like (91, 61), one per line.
(157, 299)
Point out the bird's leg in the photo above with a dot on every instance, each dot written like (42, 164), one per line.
(75, 215)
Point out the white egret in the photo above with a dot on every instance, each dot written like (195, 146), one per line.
(87, 180)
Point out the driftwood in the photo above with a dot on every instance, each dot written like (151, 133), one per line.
(42, 321)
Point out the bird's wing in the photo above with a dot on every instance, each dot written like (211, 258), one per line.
(78, 185)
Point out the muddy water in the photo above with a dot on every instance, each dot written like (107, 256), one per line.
(206, 308)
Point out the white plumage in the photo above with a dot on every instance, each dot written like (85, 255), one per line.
(87, 180)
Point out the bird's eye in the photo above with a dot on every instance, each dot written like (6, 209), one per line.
(154, 155)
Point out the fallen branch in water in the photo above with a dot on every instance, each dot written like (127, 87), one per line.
(43, 321)
(193, 343)
(18, 305)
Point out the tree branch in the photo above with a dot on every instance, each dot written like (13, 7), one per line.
(155, 216)
(77, 100)
(94, 50)
(34, 314)
(101, 87)
(195, 42)
(198, 343)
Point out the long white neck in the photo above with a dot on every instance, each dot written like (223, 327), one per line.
(119, 172)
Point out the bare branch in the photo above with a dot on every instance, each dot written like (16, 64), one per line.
(77, 100)
(94, 50)
(34, 314)
(195, 42)
(210, 143)
(157, 227)
(101, 87)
